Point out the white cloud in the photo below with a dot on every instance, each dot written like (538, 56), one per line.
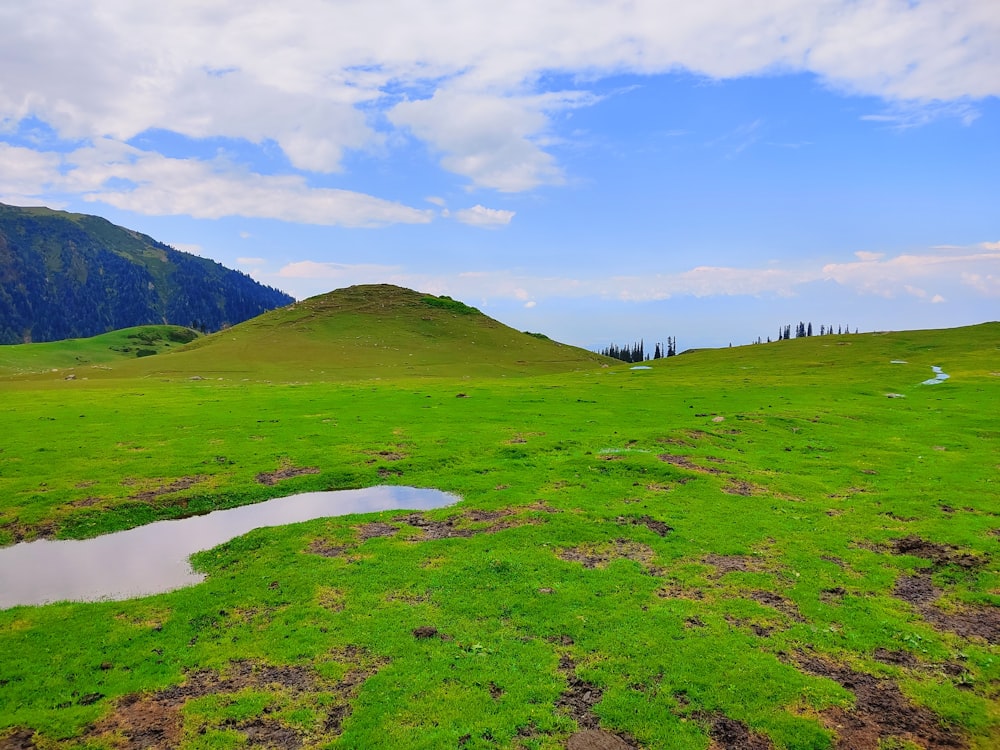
(320, 79)
(480, 216)
(25, 173)
(251, 261)
(865, 255)
(148, 183)
(493, 140)
(975, 270)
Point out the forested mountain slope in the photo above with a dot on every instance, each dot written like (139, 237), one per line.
(66, 275)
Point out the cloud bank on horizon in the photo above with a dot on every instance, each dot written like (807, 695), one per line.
(546, 122)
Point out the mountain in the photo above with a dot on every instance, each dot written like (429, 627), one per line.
(65, 275)
(367, 332)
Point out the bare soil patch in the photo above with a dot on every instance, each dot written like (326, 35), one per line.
(286, 472)
(184, 483)
(155, 720)
(733, 564)
(939, 554)
(730, 734)
(968, 621)
(599, 555)
(880, 712)
(743, 488)
(654, 525)
(376, 529)
(776, 601)
(684, 462)
(578, 700)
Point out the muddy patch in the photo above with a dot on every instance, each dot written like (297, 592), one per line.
(184, 483)
(730, 734)
(684, 462)
(578, 701)
(286, 472)
(742, 488)
(724, 564)
(17, 738)
(156, 720)
(778, 602)
(600, 554)
(375, 530)
(966, 620)
(939, 554)
(880, 713)
(463, 525)
(657, 527)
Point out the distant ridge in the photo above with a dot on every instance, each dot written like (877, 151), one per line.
(65, 275)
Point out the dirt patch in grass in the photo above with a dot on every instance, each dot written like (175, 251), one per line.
(578, 701)
(22, 532)
(600, 554)
(743, 488)
(733, 564)
(968, 621)
(684, 462)
(375, 530)
(455, 526)
(324, 548)
(776, 601)
(184, 483)
(17, 738)
(939, 554)
(155, 720)
(84, 502)
(286, 472)
(880, 712)
(657, 527)
(730, 734)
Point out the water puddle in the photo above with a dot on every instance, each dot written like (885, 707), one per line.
(153, 559)
(939, 377)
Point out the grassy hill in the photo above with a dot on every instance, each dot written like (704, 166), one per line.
(791, 545)
(100, 352)
(363, 332)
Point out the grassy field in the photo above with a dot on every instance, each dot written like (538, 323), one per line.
(742, 548)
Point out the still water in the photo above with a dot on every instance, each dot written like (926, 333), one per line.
(939, 377)
(154, 558)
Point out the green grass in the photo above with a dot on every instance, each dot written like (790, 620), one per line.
(784, 472)
(95, 353)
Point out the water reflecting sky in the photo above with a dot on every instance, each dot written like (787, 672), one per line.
(154, 558)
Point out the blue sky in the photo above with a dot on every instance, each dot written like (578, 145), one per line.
(600, 172)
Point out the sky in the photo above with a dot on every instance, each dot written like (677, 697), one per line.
(600, 171)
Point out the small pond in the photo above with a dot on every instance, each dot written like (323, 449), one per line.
(152, 559)
(939, 377)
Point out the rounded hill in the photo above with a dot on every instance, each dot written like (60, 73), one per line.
(371, 331)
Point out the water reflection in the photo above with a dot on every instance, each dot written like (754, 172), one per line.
(154, 558)
(939, 377)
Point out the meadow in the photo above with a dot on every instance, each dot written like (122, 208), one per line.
(791, 545)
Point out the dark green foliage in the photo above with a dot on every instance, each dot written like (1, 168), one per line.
(72, 276)
(445, 302)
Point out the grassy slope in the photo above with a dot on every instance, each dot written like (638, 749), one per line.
(100, 352)
(364, 332)
(780, 550)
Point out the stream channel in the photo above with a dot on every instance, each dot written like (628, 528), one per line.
(153, 559)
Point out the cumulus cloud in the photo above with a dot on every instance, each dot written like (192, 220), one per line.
(145, 182)
(321, 79)
(480, 216)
